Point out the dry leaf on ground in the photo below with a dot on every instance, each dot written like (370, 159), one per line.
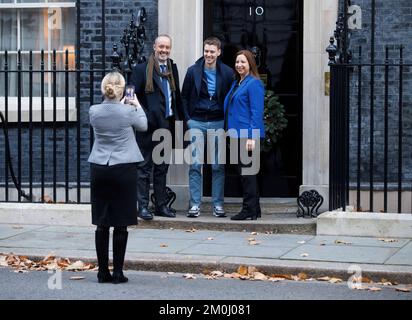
(259, 276)
(163, 245)
(252, 269)
(304, 255)
(387, 240)
(303, 276)
(254, 243)
(189, 276)
(374, 289)
(254, 233)
(210, 238)
(191, 230)
(216, 273)
(330, 279)
(242, 270)
(403, 289)
(342, 242)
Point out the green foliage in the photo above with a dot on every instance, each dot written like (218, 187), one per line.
(275, 120)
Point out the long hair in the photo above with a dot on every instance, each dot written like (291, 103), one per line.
(252, 64)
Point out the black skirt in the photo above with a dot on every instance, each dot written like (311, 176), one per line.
(113, 192)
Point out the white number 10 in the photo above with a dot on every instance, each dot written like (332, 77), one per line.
(258, 11)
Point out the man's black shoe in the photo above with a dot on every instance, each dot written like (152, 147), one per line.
(144, 214)
(164, 211)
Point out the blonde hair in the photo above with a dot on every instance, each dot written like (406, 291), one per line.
(113, 85)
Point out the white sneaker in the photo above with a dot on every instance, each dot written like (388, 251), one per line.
(219, 212)
(194, 212)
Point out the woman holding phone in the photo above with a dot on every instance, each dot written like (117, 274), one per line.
(113, 172)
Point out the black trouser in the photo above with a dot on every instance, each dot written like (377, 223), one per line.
(251, 199)
(144, 171)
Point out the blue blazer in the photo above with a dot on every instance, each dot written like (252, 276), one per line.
(244, 109)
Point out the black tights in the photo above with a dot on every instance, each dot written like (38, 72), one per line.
(106, 229)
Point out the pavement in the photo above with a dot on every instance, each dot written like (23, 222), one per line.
(160, 246)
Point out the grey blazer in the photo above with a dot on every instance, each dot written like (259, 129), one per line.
(115, 141)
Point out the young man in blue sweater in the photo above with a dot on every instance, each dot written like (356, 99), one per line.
(204, 90)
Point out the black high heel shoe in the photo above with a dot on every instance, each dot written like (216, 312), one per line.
(244, 216)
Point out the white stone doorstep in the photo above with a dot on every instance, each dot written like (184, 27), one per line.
(365, 224)
(46, 214)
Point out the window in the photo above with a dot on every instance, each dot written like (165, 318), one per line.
(33, 25)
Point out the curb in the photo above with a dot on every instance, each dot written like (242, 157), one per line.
(313, 269)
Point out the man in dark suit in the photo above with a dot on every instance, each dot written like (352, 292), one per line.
(157, 88)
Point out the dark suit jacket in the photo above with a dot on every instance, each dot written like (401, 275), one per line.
(154, 103)
(193, 82)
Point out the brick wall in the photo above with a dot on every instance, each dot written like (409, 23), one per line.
(393, 28)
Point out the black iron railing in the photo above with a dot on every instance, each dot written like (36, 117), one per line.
(367, 126)
(43, 150)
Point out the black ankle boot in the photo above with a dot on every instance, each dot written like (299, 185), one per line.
(119, 251)
(242, 215)
(102, 251)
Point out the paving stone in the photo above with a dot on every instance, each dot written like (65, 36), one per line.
(402, 257)
(351, 254)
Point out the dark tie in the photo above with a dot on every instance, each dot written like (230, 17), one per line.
(163, 68)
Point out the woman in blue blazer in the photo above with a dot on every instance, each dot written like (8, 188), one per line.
(244, 106)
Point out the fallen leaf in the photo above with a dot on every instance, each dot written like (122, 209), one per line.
(335, 280)
(163, 245)
(50, 256)
(304, 255)
(77, 278)
(252, 269)
(366, 280)
(276, 279)
(189, 276)
(242, 270)
(303, 276)
(323, 279)
(78, 265)
(254, 243)
(342, 242)
(403, 289)
(251, 239)
(374, 289)
(191, 230)
(282, 276)
(209, 277)
(170, 273)
(254, 233)
(3, 261)
(387, 240)
(385, 282)
(259, 276)
(210, 238)
(233, 275)
(216, 274)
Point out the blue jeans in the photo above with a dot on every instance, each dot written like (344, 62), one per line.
(195, 172)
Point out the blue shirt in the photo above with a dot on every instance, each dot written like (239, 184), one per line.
(210, 76)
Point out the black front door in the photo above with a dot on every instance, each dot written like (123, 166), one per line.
(273, 28)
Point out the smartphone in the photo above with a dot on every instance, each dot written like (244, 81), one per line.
(129, 93)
